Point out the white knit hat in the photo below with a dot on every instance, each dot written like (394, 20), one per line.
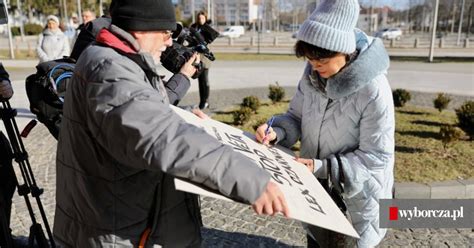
(331, 26)
(53, 18)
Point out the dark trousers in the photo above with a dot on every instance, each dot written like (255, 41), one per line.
(203, 88)
(7, 188)
(326, 238)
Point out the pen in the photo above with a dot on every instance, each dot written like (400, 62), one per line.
(267, 131)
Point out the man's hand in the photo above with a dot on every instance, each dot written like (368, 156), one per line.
(188, 68)
(309, 163)
(271, 201)
(200, 114)
(6, 90)
(260, 134)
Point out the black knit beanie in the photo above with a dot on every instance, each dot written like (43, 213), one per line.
(143, 15)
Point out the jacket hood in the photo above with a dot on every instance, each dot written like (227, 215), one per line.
(372, 60)
(124, 43)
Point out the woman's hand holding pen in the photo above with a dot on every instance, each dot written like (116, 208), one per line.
(265, 133)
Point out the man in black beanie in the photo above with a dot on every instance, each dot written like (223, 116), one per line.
(120, 145)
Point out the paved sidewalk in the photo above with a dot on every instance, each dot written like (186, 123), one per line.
(225, 224)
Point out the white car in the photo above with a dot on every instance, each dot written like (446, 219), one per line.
(389, 33)
(233, 31)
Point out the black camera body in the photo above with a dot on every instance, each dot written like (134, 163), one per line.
(185, 43)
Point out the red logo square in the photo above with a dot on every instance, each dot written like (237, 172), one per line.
(393, 213)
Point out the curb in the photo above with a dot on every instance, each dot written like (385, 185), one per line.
(451, 189)
(20, 63)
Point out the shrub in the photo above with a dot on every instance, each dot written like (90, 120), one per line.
(187, 22)
(276, 93)
(465, 115)
(400, 97)
(33, 29)
(15, 31)
(441, 102)
(242, 115)
(449, 134)
(258, 123)
(251, 102)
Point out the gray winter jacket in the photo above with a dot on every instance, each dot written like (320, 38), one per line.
(349, 124)
(119, 137)
(52, 45)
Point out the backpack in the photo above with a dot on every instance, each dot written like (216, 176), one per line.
(46, 90)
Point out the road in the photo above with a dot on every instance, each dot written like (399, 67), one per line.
(453, 78)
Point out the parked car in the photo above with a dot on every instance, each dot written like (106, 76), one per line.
(233, 31)
(389, 33)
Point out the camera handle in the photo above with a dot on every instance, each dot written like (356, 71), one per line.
(7, 114)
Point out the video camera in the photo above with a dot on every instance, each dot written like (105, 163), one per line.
(185, 43)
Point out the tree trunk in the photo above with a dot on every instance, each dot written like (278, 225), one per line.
(469, 22)
(453, 14)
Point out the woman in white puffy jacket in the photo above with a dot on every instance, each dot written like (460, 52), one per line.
(343, 115)
(52, 43)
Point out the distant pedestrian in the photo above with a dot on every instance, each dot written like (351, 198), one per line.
(88, 15)
(52, 43)
(204, 89)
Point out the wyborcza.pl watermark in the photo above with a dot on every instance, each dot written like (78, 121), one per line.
(427, 213)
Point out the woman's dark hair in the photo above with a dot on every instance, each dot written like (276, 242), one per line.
(306, 50)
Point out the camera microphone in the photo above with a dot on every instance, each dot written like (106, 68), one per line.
(6, 90)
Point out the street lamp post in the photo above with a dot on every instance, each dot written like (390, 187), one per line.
(433, 31)
(65, 11)
(460, 23)
(9, 29)
(22, 27)
(79, 11)
(209, 10)
(101, 8)
(192, 11)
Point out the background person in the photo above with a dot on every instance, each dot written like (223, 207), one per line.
(120, 144)
(203, 79)
(87, 16)
(52, 43)
(343, 114)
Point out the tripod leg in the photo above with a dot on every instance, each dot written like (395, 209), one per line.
(7, 189)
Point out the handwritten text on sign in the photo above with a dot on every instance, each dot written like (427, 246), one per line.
(306, 198)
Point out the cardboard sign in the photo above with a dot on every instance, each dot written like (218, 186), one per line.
(306, 198)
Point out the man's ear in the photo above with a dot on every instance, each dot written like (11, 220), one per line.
(136, 34)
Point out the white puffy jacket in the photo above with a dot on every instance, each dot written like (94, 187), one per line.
(52, 45)
(350, 123)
